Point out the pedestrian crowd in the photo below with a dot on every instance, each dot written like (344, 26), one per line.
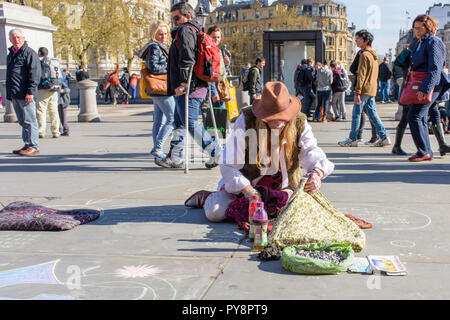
(36, 86)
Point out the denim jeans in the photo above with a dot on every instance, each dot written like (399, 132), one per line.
(371, 108)
(384, 91)
(201, 136)
(323, 98)
(26, 116)
(164, 112)
(133, 93)
(418, 124)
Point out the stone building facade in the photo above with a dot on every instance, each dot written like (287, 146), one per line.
(255, 17)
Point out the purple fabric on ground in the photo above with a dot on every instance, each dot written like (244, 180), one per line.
(22, 215)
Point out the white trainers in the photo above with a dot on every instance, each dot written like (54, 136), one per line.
(382, 142)
(348, 143)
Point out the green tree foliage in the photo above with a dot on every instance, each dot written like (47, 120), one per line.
(87, 27)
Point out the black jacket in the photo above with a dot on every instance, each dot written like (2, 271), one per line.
(81, 75)
(23, 73)
(182, 56)
(384, 72)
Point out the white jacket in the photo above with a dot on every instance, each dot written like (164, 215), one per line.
(233, 159)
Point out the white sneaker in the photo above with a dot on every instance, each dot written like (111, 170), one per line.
(214, 150)
(348, 143)
(382, 142)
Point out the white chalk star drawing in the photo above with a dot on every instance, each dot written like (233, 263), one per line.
(137, 271)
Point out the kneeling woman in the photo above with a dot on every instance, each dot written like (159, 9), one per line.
(269, 143)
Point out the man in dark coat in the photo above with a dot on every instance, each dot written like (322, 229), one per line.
(384, 75)
(182, 58)
(23, 74)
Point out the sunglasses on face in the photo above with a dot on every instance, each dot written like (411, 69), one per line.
(176, 18)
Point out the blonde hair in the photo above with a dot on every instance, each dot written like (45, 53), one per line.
(155, 26)
(288, 133)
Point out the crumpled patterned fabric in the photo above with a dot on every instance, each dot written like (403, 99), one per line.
(311, 218)
(21, 215)
(274, 201)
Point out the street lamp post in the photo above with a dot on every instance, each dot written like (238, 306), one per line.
(201, 15)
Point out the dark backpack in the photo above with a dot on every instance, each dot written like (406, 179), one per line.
(403, 59)
(341, 82)
(304, 77)
(245, 80)
(51, 75)
(207, 58)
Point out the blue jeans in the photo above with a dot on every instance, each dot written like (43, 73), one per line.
(133, 93)
(323, 98)
(26, 116)
(418, 124)
(384, 91)
(371, 109)
(164, 111)
(201, 136)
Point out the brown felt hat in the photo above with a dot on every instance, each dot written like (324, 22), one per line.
(275, 103)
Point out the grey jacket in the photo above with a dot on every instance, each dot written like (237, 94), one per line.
(324, 78)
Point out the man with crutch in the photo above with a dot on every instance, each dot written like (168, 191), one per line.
(182, 58)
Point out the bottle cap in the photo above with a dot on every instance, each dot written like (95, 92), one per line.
(255, 197)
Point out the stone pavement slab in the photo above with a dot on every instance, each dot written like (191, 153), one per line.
(147, 245)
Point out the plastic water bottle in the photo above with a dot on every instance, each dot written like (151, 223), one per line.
(260, 222)
(251, 211)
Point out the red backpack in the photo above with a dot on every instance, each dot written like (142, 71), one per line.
(207, 60)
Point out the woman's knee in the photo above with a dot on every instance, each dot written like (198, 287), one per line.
(216, 205)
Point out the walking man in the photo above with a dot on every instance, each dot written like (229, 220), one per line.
(182, 57)
(365, 92)
(23, 72)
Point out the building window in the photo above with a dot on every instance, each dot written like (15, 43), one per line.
(340, 42)
(270, 13)
(330, 10)
(330, 41)
(256, 14)
(315, 25)
(314, 11)
(243, 16)
(299, 11)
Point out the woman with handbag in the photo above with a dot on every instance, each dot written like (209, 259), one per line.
(219, 90)
(155, 55)
(424, 83)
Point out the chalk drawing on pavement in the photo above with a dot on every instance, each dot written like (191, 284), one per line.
(43, 278)
(41, 274)
(403, 243)
(389, 218)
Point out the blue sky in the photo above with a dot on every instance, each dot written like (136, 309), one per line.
(385, 18)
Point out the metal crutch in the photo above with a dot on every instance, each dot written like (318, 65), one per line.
(211, 109)
(186, 122)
